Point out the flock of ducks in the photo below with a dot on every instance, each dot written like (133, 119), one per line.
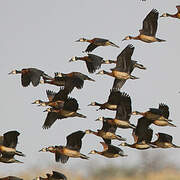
(62, 106)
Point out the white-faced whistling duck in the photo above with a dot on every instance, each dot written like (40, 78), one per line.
(110, 151)
(11, 178)
(94, 43)
(107, 132)
(69, 109)
(31, 75)
(125, 65)
(177, 15)
(123, 112)
(93, 62)
(142, 135)
(56, 100)
(148, 32)
(69, 81)
(113, 101)
(8, 145)
(158, 116)
(142, 141)
(72, 148)
(121, 71)
(164, 141)
(55, 176)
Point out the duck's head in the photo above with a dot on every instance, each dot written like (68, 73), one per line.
(127, 38)
(92, 152)
(37, 102)
(164, 15)
(101, 118)
(81, 40)
(88, 131)
(13, 72)
(101, 72)
(74, 58)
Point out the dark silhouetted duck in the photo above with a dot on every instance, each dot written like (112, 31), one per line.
(110, 151)
(113, 100)
(143, 141)
(142, 135)
(8, 145)
(164, 141)
(72, 148)
(122, 114)
(107, 132)
(177, 15)
(93, 62)
(56, 100)
(125, 64)
(148, 32)
(69, 81)
(69, 109)
(158, 116)
(31, 75)
(11, 178)
(94, 43)
(55, 176)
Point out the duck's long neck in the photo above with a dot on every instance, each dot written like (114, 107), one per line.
(85, 58)
(18, 72)
(98, 104)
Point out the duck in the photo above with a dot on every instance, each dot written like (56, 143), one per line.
(148, 32)
(72, 148)
(31, 75)
(164, 141)
(112, 102)
(96, 42)
(143, 141)
(123, 112)
(8, 143)
(56, 100)
(55, 175)
(107, 132)
(142, 135)
(69, 109)
(93, 62)
(177, 15)
(69, 81)
(158, 116)
(109, 151)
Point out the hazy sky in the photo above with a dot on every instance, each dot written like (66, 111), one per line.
(41, 34)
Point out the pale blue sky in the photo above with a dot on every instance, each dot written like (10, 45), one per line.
(41, 34)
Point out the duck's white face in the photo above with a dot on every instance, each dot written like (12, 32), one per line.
(43, 104)
(88, 131)
(81, 40)
(58, 74)
(127, 38)
(36, 102)
(123, 144)
(42, 81)
(100, 72)
(13, 72)
(100, 118)
(73, 58)
(92, 152)
(92, 104)
(164, 15)
(134, 113)
(107, 62)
